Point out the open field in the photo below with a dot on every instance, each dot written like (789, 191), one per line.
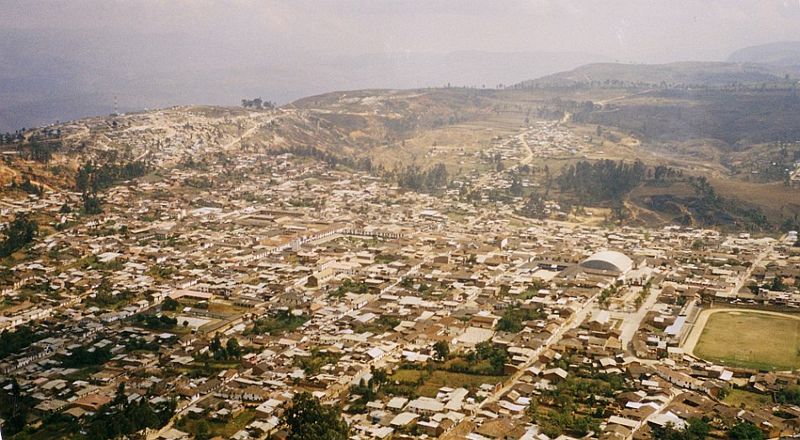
(437, 379)
(745, 399)
(750, 339)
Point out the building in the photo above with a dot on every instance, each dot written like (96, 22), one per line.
(608, 261)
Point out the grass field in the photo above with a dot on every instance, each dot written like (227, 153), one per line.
(748, 400)
(438, 379)
(751, 340)
(225, 430)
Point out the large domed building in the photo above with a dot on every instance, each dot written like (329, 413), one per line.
(608, 261)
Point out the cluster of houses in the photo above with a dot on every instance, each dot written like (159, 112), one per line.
(328, 279)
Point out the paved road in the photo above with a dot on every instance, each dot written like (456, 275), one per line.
(631, 325)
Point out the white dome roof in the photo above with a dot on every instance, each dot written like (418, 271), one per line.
(609, 260)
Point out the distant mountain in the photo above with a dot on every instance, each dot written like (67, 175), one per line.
(682, 73)
(39, 86)
(786, 53)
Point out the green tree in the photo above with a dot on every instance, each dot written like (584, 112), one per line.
(233, 349)
(169, 304)
(441, 350)
(308, 419)
(696, 429)
(202, 430)
(18, 233)
(745, 431)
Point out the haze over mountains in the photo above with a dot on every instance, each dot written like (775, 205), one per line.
(39, 86)
(784, 53)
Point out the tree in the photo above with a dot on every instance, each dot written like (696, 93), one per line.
(696, 429)
(745, 431)
(233, 349)
(19, 233)
(202, 430)
(92, 204)
(498, 361)
(169, 304)
(17, 409)
(308, 419)
(441, 350)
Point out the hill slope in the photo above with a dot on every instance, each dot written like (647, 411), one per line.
(785, 53)
(683, 73)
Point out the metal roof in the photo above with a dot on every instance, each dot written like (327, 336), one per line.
(609, 260)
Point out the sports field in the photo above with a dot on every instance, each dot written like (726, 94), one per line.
(751, 339)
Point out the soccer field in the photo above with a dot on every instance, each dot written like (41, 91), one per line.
(751, 339)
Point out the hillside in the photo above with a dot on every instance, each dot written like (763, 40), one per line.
(674, 74)
(786, 53)
(737, 118)
(477, 136)
(39, 86)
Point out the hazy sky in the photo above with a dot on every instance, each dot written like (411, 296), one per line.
(634, 30)
(64, 59)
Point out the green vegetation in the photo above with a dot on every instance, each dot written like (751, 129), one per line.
(41, 150)
(534, 206)
(745, 431)
(789, 395)
(170, 304)
(432, 180)
(104, 299)
(737, 116)
(349, 285)
(27, 186)
(514, 317)
(484, 365)
(230, 351)
(319, 358)
(92, 178)
(121, 418)
(278, 324)
(751, 339)
(739, 398)
(206, 429)
(367, 391)
(17, 234)
(441, 350)
(710, 208)
(413, 383)
(642, 296)
(14, 408)
(156, 322)
(86, 357)
(697, 429)
(605, 296)
(605, 180)
(308, 419)
(484, 351)
(257, 103)
(382, 324)
(12, 342)
(577, 404)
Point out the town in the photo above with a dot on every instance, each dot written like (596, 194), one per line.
(211, 292)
